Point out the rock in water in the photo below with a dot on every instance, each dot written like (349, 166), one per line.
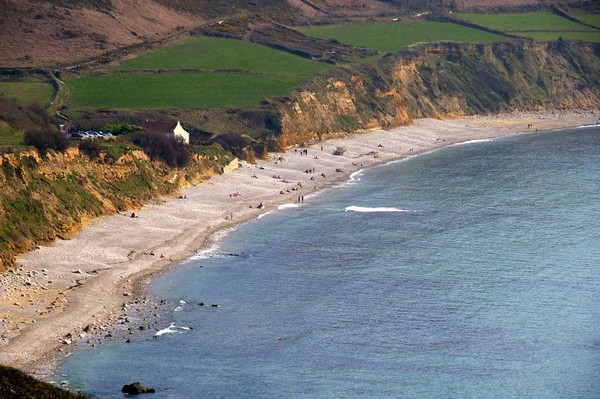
(135, 388)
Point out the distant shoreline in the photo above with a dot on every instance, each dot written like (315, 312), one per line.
(77, 288)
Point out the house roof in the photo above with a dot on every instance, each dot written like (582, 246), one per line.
(159, 127)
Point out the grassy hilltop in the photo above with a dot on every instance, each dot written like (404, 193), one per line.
(196, 73)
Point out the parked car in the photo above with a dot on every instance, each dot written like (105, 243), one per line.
(89, 134)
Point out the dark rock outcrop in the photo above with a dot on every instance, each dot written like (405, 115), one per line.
(136, 388)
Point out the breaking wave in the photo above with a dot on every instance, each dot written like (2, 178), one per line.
(172, 329)
(365, 209)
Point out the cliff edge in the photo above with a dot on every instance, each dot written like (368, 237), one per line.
(443, 80)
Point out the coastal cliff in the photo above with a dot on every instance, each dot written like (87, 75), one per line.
(443, 80)
(45, 198)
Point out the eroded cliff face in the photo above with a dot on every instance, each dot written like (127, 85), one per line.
(444, 80)
(56, 196)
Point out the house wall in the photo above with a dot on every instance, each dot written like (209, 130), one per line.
(179, 131)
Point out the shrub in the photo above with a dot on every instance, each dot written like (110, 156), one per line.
(273, 122)
(232, 142)
(91, 148)
(121, 128)
(29, 117)
(172, 151)
(347, 123)
(46, 139)
(115, 149)
(43, 116)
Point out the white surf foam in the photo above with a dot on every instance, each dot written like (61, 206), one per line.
(180, 307)
(169, 330)
(206, 253)
(587, 126)
(473, 141)
(287, 206)
(172, 329)
(364, 209)
(355, 176)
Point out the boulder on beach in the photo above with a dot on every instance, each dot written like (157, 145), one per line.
(135, 388)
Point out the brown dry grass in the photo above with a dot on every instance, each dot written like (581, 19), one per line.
(320, 8)
(37, 34)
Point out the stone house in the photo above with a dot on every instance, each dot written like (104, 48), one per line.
(171, 129)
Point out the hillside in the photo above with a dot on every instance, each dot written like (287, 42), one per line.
(43, 33)
(45, 198)
(444, 80)
(50, 33)
(14, 384)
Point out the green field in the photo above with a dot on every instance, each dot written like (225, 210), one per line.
(593, 37)
(394, 36)
(591, 19)
(209, 72)
(541, 26)
(11, 136)
(216, 54)
(179, 90)
(28, 92)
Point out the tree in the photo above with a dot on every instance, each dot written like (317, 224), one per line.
(44, 139)
(172, 151)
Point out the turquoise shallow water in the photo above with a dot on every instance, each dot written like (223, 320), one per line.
(469, 272)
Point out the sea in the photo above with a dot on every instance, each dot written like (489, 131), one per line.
(472, 271)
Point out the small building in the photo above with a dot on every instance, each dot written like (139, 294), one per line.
(65, 129)
(171, 129)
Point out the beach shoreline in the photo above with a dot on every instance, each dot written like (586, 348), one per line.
(75, 289)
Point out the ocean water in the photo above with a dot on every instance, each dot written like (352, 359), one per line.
(469, 272)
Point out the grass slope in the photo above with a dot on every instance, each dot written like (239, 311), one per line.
(591, 19)
(523, 21)
(15, 384)
(28, 92)
(9, 136)
(208, 73)
(219, 53)
(392, 37)
(179, 90)
(541, 26)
